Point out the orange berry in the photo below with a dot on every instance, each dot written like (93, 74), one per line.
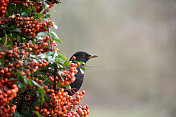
(36, 108)
(17, 65)
(2, 71)
(14, 86)
(52, 91)
(47, 38)
(1, 96)
(6, 69)
(72, 69)
(75, 65)
(66, 83)
(73, 79)
(2, 53)
(61, 90)
(9, 92)
(30, 49)
(73, 58)
(40, 82)
(45, 87)
(13, 91)
(11, 65)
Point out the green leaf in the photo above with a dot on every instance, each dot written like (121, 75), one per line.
(24, 14)
(60, 73)
(58, 1)
(82, 68)
(61, 57)
(42, 56)
(34, 9)
(42, 11)
(26, 62)
(42, 34)
(36, 84)
(49, 53)
(47, 98)
(38, 114)
(60, 65)
(41, 90)
(19, 76)
(55, 26)
(29, 9)
(45, 27)
(39, 72)
(35, 61)
(59, 84)
(53, 11)
(68, 87)
(29, 81)
(66, 63)
(55, 37)
(18, 37)
(26, 81)
(12, 79)
(48, 16)
(20, 85)
(57, 40)
(17, 114)
(58, 60)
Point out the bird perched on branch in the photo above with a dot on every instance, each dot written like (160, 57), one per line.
(79, 57)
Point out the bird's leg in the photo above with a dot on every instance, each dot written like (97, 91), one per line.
(68, 90)
(74, 90)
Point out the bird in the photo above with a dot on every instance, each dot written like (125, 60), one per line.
(80, 56)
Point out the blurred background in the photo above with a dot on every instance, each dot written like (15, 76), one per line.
(135, 73)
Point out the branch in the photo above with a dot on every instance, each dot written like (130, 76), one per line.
(55, 73)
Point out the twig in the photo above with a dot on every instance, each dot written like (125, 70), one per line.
(55, 73)
(5, 40)
(51, 45)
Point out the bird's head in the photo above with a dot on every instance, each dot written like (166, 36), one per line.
(82, 56)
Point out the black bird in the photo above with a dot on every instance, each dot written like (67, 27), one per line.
(80, 57)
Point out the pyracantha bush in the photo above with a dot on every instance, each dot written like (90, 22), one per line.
(33, 73)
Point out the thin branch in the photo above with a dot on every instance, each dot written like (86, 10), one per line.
(49, 31)
(5, 40)
(55, 73)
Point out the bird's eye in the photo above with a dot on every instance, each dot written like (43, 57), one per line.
(83, 55)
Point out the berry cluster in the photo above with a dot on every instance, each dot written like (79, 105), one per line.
(17, 1)
(39, 6)
(13, 59)
(60, 103)
(27, 25)
(33, 77)
(7, 93)
(40, 47)
(3, 7)
(68, 75)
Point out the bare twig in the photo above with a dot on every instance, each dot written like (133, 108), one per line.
(55, 73)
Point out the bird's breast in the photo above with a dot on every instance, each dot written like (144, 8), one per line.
(79, 79)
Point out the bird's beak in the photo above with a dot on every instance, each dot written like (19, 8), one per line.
(92, 56)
